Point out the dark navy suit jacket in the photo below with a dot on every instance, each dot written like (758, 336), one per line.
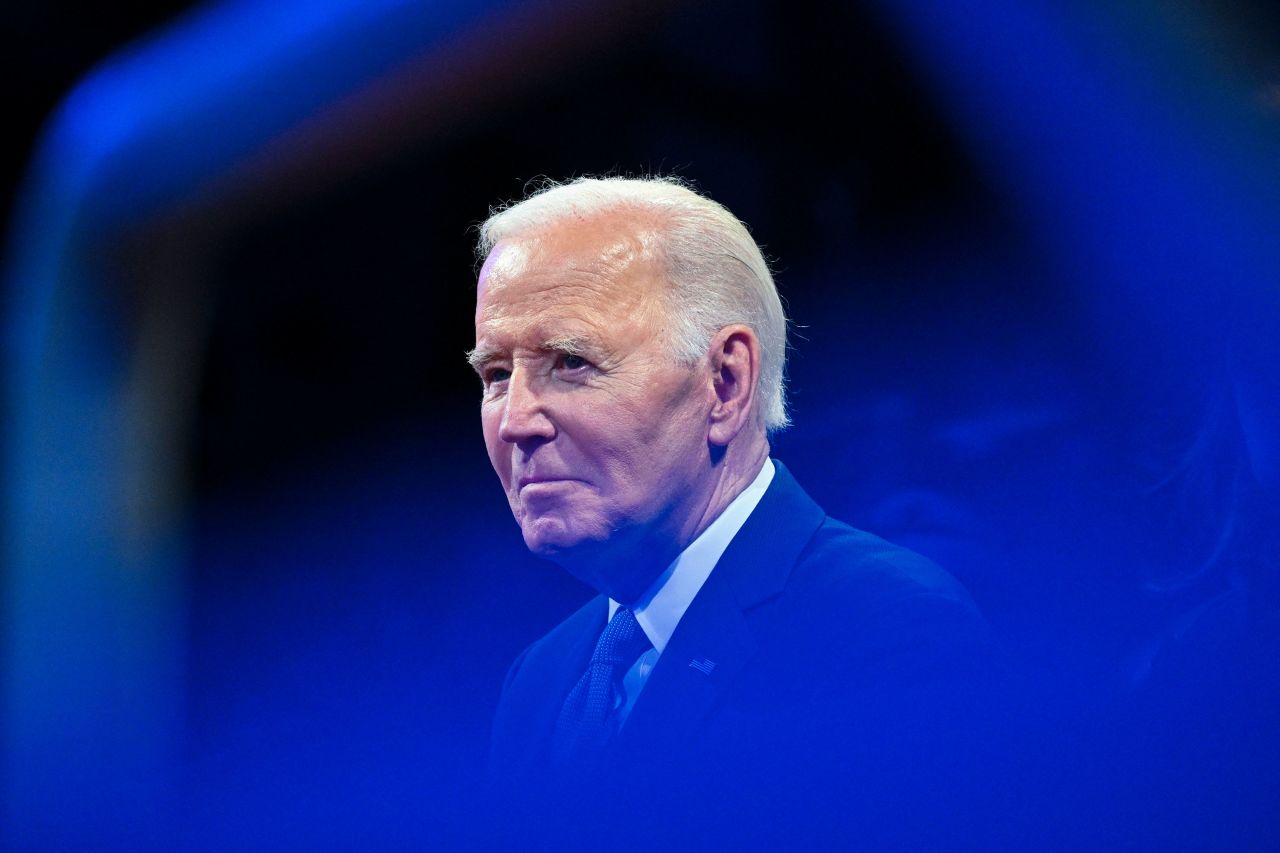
(842, 671)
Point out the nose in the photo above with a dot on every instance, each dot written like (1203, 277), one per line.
(524, 416)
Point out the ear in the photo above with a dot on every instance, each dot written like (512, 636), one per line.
(735, 373)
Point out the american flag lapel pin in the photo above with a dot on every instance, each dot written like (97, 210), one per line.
(702, 665)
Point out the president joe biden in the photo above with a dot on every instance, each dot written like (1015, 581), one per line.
(749, 663)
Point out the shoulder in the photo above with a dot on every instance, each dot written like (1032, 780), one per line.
(571, 639)
(807, 578)
(861, 567)
(884, 608)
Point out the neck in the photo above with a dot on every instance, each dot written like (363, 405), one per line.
(736, 469)
(626, 566)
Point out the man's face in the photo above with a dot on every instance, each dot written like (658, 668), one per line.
(597, 434)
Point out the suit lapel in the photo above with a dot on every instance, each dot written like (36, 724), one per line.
(714, 639)
(709, 647)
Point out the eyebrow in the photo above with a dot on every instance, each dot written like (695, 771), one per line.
(570, 344)
(480, 356)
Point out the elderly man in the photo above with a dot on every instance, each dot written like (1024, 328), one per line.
(631, 343)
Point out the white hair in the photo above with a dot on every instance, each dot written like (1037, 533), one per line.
(717, 273)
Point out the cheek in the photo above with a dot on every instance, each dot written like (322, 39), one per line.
(677, 416)
(659, 430)
(498, 455)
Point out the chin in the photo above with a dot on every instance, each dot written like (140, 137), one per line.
(551, 537)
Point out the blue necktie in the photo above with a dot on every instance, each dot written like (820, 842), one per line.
(588, 718)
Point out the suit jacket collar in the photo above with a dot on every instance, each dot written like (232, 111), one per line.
(714, 640)
(766, 548)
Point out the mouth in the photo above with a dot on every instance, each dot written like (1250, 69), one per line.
(542, 480)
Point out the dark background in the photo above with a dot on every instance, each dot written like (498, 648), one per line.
(350, 586)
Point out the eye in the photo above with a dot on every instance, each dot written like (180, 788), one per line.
(496, 374)
(569, 361)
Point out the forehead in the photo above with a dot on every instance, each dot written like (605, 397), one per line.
(601, 272)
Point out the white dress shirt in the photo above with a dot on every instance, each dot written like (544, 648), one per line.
(659, 610)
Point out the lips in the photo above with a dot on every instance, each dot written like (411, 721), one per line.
(533, 480)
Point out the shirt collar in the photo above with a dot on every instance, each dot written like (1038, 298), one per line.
(659, 610)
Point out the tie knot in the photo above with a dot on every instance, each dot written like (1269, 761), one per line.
(622, 641)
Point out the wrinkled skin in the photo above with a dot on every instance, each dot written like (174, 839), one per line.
(602, 441)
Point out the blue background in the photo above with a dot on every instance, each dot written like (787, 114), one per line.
(260, 584)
